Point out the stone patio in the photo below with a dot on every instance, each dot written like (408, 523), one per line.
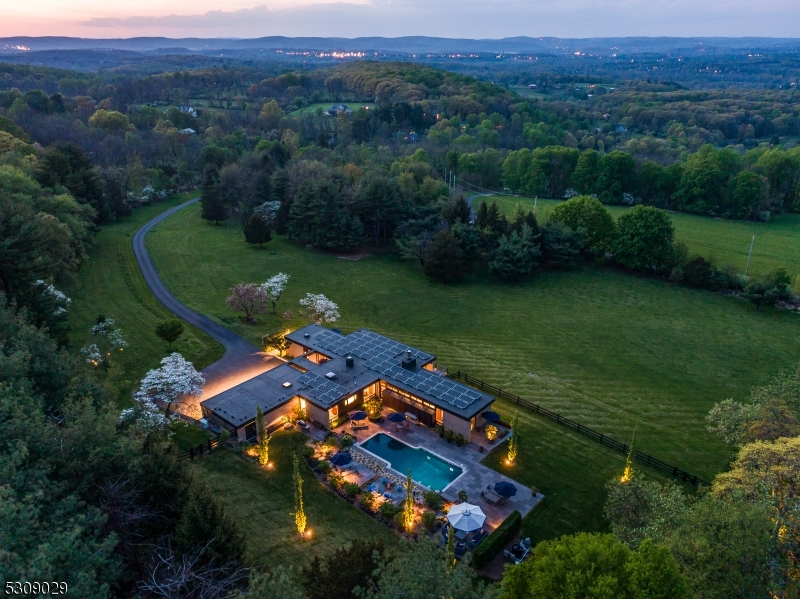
(476, 477)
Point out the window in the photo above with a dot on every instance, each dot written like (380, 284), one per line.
(350, 400)
(439, 416)
(302, 404)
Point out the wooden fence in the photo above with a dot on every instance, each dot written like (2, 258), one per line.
(202, 449)
(605, 440)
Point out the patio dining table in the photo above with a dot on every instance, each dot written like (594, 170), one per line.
(462, 534)
(493, 498)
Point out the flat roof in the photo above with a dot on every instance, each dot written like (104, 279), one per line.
(374, 358)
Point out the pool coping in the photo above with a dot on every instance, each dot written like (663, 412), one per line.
(425, 449)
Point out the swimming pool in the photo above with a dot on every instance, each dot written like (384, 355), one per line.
(427, 468)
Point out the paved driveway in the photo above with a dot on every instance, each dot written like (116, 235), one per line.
(242, 360)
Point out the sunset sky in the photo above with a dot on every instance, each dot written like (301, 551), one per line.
(392, 18)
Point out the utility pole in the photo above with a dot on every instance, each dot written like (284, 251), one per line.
(746, 268)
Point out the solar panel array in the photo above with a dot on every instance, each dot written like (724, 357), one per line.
(325, 391)
(383, 354)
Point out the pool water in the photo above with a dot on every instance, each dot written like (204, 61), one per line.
(426, 468)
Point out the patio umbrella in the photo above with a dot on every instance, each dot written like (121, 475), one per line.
(341, 459)
(395, 417)
(358, 415)
(505, 489)
(491, 416)
(466, 517)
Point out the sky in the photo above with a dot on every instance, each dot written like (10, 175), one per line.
(393, 18)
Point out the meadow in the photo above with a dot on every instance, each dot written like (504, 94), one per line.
(724, 242)
(613, 351)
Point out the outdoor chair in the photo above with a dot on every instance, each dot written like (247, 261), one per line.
(461, 548)
(476, 540)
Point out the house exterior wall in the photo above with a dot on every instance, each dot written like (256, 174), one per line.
(456, 424)
(295, 350)
(318, 414)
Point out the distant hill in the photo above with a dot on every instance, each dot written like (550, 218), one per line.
(407, 44)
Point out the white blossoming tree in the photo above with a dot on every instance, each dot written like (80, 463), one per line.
(274, 288)
(319, 308)
(145, 415)
(174, 379)
(59, 300)
(109, 340)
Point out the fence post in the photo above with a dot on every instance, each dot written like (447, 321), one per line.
(200, 448)
(209, 445)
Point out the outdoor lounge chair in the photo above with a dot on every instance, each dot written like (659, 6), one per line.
(461, 548)
(476, 540)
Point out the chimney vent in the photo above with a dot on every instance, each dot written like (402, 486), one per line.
(349, 361)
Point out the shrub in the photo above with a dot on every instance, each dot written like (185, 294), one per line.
(367, 502)
(700, 273)
(429, 520)
(373, 407)
(308, 451)
(432, 499)
(352, 489)
(324, 467)
(400, 521)
(448, 435)
(459, 439)
(346, 441)
(388, 509)
(484, 552)
(440, 430)
(491, 432)
(336, 481)
(462, 496)
(224, 435)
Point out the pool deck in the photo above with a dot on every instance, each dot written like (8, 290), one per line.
(476, 476)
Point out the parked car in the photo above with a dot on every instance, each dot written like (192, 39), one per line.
(518, 552)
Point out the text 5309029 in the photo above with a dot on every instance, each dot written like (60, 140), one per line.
(26, 589)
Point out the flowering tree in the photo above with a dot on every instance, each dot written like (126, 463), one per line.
(319, 308)
(175, 378)
(274, 287)
(145, 415)
(248, 298)
(109, 339)
(58, 299)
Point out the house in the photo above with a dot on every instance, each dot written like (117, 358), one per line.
(188, 110)
(338, 109)
(330, 374)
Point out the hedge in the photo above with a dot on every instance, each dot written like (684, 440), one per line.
(484, 552)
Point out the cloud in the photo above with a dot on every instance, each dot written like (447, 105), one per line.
(474, 19)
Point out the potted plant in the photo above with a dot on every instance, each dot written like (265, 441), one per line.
(373, 406)
(440, 430)
(448, 436)
(459, 439)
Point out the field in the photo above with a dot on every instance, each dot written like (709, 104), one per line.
(110, 283)
(262, 502)
(725, 242)
(312, 108)
(613, 351)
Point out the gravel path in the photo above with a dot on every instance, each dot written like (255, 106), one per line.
(242, 360)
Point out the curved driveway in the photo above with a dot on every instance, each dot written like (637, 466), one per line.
(242, 360)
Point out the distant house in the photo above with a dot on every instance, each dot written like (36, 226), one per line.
(339, 109)
(532, 86)
(188, 110)
(621, 129)
(331, 374)
(187, 131)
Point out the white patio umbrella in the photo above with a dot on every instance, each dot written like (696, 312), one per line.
(466, 517)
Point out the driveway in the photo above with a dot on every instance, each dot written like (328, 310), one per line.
(242, 360)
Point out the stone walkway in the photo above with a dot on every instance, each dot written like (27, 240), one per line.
(242, 360)
(476, 477)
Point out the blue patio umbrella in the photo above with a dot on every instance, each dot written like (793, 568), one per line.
(358, 415)
(505, 489)
(491, 416)
(395, 417)
(341, 459)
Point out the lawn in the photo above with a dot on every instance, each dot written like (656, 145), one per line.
(111, 283)
(613, 351)
(312, 108)
(725, 242)
(262, 502)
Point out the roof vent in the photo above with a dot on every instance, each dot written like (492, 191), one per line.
(306, 335)
(349, 361)
(287, 384)
(330, 376)
(409, 363)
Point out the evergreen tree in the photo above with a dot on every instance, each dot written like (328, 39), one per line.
(561, 246)
(204, 522)
(444, 259)
(262, 446)
(213, 209)
(515, 255)
(256, 230)
(482, 216)
(458, 211)
(299, 510)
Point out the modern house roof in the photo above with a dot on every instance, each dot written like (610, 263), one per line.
(356, 361)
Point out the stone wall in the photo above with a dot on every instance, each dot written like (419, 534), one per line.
(382, 468)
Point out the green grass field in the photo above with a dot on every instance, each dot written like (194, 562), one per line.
(725, 242)
(312, 108)
(111, 283)
(613, 351)
(262, 502)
